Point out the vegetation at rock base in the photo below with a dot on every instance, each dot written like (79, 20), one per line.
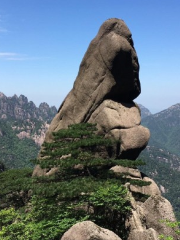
(82, 189)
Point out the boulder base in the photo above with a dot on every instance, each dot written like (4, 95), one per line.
(87, 230)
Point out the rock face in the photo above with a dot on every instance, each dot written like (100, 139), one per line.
(87, 230)
(104, 90)
(145, 221)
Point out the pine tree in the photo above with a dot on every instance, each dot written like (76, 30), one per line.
(83, 188)
(83, 181)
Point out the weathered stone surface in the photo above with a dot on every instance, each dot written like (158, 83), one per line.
(133, 141)
(121, 121)
(104, 90)
(132, 172)
(146, 219)
(157, 208)
(102, 74)
(87, 230)
(149, 234)
(152, 189)
(110, 115)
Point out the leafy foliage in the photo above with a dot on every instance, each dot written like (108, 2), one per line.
(83, 188)
(15, 184)
(15, 152)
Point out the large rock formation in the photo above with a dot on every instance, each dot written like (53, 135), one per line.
(104, 90)
(103, 93)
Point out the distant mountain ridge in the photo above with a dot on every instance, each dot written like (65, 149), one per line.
(162, 155)
(26, 119)
(165, 128)
(22, 129)
(20, 108)
(144, 111)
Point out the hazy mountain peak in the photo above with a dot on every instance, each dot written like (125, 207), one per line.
(20, 108)
(144, 111)
(165, 128)
(173, 111)
(2, 95)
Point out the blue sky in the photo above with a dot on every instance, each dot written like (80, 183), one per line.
(42, 43)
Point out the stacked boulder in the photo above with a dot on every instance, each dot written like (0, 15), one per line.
(104, 90)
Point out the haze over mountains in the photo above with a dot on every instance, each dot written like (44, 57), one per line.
(144, 111)
(162, 155)
(165, 128)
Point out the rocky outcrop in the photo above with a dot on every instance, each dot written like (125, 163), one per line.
(157, 208)
(104, 90)
(133, 173)
(121, 121)
(87, 230)
(103, 93)
(145, 222)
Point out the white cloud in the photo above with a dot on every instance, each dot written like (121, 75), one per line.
(12, 56)
(7, 54)
(18, 58)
